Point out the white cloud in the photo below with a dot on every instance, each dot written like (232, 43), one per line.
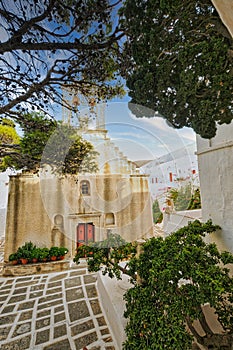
(125, 135)
(144, 138)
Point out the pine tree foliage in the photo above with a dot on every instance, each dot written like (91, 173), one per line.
(183, 63)
(47, 142)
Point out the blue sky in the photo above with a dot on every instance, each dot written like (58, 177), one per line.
(143, 138)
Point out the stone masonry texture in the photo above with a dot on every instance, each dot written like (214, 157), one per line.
(56, 311)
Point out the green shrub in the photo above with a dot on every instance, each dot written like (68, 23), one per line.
(157, 214)
(30, 251)
(63, 251)
(184, 199)
(13, 257)
(54, 251)
(43, 254)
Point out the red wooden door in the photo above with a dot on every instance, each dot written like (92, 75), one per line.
(90, 232)
(85, 233)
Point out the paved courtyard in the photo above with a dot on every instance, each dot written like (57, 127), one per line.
(57, 311)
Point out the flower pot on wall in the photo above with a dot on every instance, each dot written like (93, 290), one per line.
(44, 254)
(58, 252)
(14, 262)
(14, 259)
(24, 261)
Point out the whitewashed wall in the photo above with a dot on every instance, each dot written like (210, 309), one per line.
(182, 164)
(173, 221)
(4, 185)
(215, 161)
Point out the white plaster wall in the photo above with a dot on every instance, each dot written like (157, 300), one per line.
(2, 222)
(4, 182)
(111, 292)
(215, 161)
(3, 189)
(182, 165)
(110, 159)
(175, 220)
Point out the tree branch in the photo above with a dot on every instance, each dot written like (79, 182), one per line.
(124, 270)
(28, 24)
(204, 323)
(198, 337)
(23, 97)
(75, 45)
(42, 50)
(13, 145)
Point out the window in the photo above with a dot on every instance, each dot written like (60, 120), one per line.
(85, 187)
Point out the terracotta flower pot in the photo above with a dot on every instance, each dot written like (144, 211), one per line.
(53, 258)
(14, 262)
(24, 261)
(34, 260)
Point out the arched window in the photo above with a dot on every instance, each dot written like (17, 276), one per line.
(85, 187)
(109, 219)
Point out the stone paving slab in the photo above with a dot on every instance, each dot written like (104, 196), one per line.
(56, 311)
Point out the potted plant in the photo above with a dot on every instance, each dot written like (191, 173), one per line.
(29, 246)
(24, 255)
(25, 252)
(62, 252)
(35, 253)
(13, 258)
(54, 253)
(43, 254)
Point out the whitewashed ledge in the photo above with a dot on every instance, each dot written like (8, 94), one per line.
(10, 270)
(111, 293)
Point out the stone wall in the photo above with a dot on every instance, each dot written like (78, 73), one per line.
(27, 217)
(33, 269)
(47, 210)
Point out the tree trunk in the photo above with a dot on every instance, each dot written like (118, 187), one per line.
(218, 342)
(213, 341)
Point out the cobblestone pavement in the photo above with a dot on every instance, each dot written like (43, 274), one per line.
(57, 311)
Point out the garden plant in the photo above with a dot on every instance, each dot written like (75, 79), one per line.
(173, 278)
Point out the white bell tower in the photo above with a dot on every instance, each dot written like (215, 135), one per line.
(85, 112)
